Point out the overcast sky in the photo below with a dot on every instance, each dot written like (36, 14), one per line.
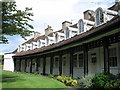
(53, 13)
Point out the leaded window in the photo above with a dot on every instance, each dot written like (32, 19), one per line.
(56, 37)
(81, 26)
(112, 57)
(80, 60)
(74, 60)
(99, 16)
(64, 61)
(67, 33)
(56, 62)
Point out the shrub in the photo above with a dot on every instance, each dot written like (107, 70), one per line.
(100, 80)
(113, 84)
(51, 75)
(74, 83)
(67, 80)
(118, 76)
(86, 82)
(36, 73)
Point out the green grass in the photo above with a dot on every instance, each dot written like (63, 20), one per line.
(6, 74)
(37, 82)
(32, 83)
(1, 66)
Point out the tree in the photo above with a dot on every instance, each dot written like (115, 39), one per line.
(14, 22)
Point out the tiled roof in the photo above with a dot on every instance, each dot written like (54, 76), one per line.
(29, 41)
(115, 7)
(40, 37)
(35, 40)
(74, 26)
(77, 37)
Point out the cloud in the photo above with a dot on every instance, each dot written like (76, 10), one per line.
(53, 12)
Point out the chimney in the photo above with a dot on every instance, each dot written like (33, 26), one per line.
(36, 34)
(48, 30)
(66, 24)
(89, 15)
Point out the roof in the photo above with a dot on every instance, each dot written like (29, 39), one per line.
(76, 37)
(74, 26)
(66, 22)
(13, 52)
(115, 7)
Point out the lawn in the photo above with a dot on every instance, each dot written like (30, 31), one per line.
(34, 81)
(1, 66)
(6, 74)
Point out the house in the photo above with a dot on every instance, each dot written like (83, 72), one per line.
(8, 61)
(90, 46)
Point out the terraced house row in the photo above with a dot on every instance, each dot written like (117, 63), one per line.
(90, 46)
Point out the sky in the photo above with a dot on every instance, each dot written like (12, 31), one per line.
(53, 13)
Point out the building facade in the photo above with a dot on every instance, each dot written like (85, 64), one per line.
(90, 46)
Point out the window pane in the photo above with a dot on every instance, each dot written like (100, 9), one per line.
(80, 60)
(56, 62)
(75, 60)
(112, 57)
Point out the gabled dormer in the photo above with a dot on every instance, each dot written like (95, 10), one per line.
(99, 16)
(34, 45)
(41, 41)
(28, 46)
(73, 30)
(65, 28)
(84, 25)
(21, 48)
(110, 14)
(59, 36)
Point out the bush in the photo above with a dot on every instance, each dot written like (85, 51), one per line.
(86, 82)
(51, 75)
(67, 80)
(118, 76)
(113, 84)
(36, 73)
(100, 80)
(61, 78)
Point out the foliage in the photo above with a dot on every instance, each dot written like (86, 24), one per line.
(100, 80)
(67, 80)
(36, 73)
(86, 82)
(118, 76)
(51, 75)
(14, 22)
(113, 84)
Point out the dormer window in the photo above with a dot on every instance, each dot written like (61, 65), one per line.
(56, 37)
(81, 26)
(67, 33)
(99, 16)
(47, 41)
